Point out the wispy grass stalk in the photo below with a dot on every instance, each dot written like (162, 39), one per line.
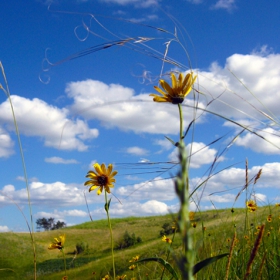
(7, 92)
(254, 252)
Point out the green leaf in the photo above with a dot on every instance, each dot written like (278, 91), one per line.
(162, 262)
(173, 143)
(206, 262)
(107, 205)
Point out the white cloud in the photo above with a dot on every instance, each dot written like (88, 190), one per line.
(201, 154)
(157, 189)
(225, 198)
(137, 3)
(144, 19)
(164, 143)
(6, 144)
(136, 151)
(224, 4)
(195, 1)
(259, 73)
(59, 160)
(93, 99)
(46, 194)
(271, 144)
(4, 229)
(150, 207)
(60, 215)
(37, 118)
(31, 179)
(261, 198)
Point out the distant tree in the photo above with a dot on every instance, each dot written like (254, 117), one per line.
(49, 224)
(58, 225)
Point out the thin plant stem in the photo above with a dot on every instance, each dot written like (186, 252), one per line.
(181, 121)
(64, 261)
(111, 233)
(7, 92)
(168, 253)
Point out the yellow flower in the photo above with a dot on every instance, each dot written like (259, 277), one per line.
(58, 244)
(176, 93)
(121, 277)
(101, 178)
(134, 259)
(269, 218)
(65, 278)
(251, 205)
(191, 216)
(194, 224)
(107, 277)
(277, 204)
(132, 267)
(166, 239)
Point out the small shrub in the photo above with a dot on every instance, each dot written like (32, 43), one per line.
(128, 240)
(166, 229)
(81, 247)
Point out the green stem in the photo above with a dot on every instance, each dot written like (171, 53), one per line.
(182, 189)
(111, 233)
(64, 262)
(181, 121)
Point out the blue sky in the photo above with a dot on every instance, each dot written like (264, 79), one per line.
(74, 110)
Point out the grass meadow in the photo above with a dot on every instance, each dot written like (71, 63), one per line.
(236, 243)
(212, 236)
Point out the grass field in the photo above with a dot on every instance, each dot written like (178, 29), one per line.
(212, 236)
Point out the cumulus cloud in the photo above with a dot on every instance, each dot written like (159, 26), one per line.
(261, 198)
(164, 144)
(6, 144)
(268, 143)
(224, 4)
(150, 207)
(128, 111)
(46, 194)
(59, 160)
(137, 3)
(195, 1)
(37, 118)
(60, 215)
(201, 154)
(137, 151)
(260, 73)
(4, 229)
(157, 189)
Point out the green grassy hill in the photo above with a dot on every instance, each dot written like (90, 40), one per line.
(211, 236)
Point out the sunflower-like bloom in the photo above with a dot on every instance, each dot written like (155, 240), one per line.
(191, 215)
(121, 277)
(132, 267)
(176, 93)
(251, 205)
(58, 244)
(269, 218)
(107, 277)
(101, 178)
(134, 259)
(166, 239)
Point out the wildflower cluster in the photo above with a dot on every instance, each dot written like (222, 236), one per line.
(251, 205)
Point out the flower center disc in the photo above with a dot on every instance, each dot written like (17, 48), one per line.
(102, 180)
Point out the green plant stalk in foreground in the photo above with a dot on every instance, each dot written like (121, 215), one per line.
(107, 206)
(186, 262)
